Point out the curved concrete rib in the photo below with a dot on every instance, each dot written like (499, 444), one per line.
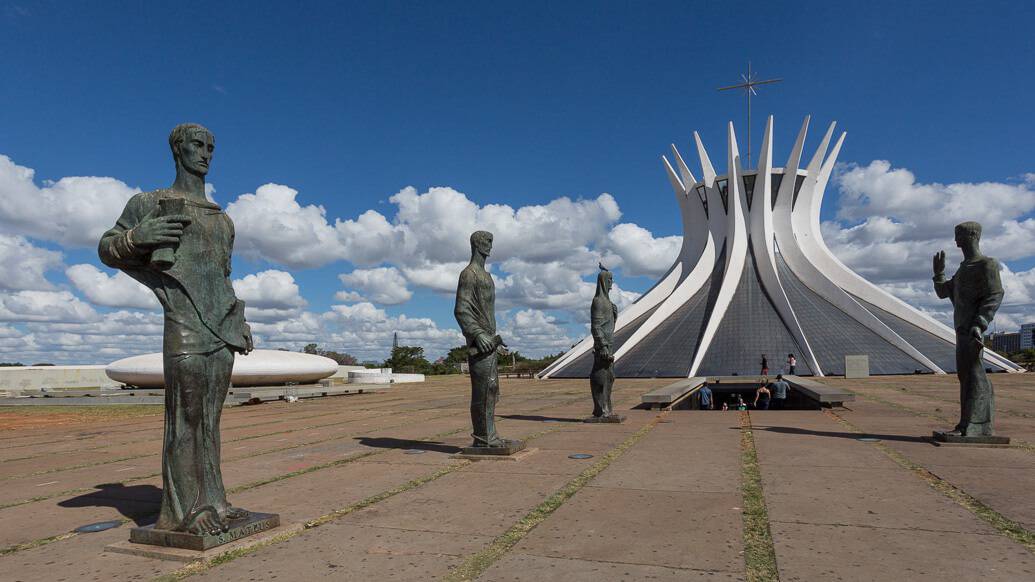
(816, 250)
(737, 244)
(762, 235)
(694, 240)
(792, 247)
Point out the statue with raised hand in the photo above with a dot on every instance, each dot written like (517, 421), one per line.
(976, 292)
(475, 311)
(178, 243)
(603, 314)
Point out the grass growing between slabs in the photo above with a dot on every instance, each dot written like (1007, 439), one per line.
(759, 555)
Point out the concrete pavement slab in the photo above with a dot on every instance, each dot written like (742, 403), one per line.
(519, 567)
(463, 502)
(862, 554)
(664, 528)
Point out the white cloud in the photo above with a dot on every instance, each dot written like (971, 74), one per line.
(272, 225)
(535, 333)
(270, 289)
(269, 296)
(22, 264)
(119, 290)
(384, 285)
(440, 277)
(73, 211)
(56, 306)
(889, 226)
(880, 190)
(640, 252)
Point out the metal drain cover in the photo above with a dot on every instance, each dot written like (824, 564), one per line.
(580, 456)
(99, 526)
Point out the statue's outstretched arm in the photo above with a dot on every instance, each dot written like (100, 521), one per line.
(117, 248)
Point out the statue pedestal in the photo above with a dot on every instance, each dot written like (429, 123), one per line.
(612, 419)
(509, 450)
(240, 528)
(943, 438)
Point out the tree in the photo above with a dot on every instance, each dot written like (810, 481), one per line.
(408, 359)
(343, 359)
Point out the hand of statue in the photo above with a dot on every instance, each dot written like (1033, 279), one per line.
(156, 230)
(939, 263)
(249, 343)
(975, 334)
(605, 353)
(484, 344)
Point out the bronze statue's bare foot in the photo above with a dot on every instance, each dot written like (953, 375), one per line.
(206, 521)
(232, 513)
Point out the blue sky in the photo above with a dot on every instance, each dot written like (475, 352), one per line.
(349, 103)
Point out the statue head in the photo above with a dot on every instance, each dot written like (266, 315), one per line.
(967, 230)
(192, 146)
(968, 234)
(481, 243)
(604, 281)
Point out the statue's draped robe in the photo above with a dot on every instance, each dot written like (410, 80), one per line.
(976, 292)
(602, 326)
(204, 325)
(475, 311)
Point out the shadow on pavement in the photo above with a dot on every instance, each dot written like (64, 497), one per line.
(393, 443)
(842, 435)
(536, 417)
(139, 503)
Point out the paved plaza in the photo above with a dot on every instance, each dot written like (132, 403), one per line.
(368, 489)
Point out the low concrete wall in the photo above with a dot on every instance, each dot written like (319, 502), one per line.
(343, 373)
(36, 378)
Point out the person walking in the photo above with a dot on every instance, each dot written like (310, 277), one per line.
(762, 397)
(779, 393)
(791, 362)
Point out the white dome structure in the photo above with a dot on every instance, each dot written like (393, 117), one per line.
(754, 277)
(259, 368)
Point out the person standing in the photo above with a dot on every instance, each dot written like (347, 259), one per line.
(707, 402)
(791, 363)
(765, 365)
(779, 393)
(762, 396)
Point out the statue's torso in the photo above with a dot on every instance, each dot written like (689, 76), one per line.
(202, 312)
(602, 315)
(973, 282)
(482, 291)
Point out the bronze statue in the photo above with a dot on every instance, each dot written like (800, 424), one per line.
(475, 311)
(976, 292)
(602, 326)
(178, 243)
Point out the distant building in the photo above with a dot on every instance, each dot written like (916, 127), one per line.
(1028, 336)
(1004, 343)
